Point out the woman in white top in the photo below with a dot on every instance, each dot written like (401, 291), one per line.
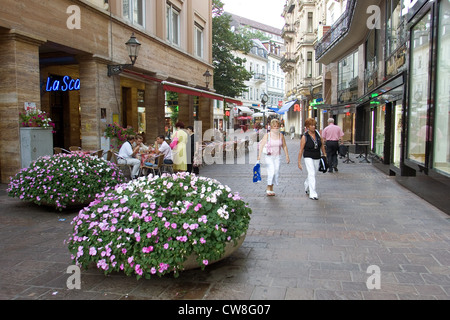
(273, 141)
(127, 156)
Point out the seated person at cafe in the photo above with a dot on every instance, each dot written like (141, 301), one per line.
(139, 141)
(162, 147)
(127, 156)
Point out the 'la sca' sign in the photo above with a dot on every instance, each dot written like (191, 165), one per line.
(67, 84)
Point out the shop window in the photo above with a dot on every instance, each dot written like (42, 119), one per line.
(173, 24)
(398, 119)
(418, 129)
(134, 11)
(380, 130)
(348, 78)
(442, 123)
(141, 111)
(370, 72)
(392, 25)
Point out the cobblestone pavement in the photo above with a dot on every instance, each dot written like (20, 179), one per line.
(295, 249)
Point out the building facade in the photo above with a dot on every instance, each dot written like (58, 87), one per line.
(43, 43)
(306, 22)
(264, 62)
(385, 67)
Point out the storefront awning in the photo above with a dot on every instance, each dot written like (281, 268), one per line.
(175, 87)
(246, 110)
(286, 107)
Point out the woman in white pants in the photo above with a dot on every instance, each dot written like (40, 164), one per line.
(273, 141)
(310, 146)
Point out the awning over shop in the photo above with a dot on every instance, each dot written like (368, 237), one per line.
(261, 114)
(175, 87)
(286, 107)
(246, 110)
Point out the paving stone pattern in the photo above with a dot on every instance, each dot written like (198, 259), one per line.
(295, 249)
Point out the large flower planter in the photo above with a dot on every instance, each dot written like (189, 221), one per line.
(191, 262)
(35, 142)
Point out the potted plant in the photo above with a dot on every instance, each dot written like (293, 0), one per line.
(64, 180)
(35, 118)
(118, 134)
(36, 135)
(153, 225)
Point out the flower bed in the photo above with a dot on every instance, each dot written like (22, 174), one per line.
(151, 225)
(64, 179)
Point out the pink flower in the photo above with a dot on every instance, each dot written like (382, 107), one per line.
(205, 262)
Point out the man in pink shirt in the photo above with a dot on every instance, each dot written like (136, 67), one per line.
(333, 136)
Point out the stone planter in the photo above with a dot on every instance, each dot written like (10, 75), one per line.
(35, 142)
(191, 262)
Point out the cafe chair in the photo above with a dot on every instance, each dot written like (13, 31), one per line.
(98, 153)
(156, 168)
(57, 150)
(167, 168)
(113, 157)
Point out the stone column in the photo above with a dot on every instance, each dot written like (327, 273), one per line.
(206, 114)
(155, 113)
(186, 111)
(96, 92)
(19, 83)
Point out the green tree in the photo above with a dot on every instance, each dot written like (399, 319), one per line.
(229, 70)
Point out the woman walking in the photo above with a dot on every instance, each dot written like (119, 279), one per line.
(310, 146)
(273, 142)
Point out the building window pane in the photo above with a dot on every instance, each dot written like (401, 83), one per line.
(133, 10)
(309, 65)
(173, 24)
(198, 41)
(441, 127)
(310, 22)
(418, 130)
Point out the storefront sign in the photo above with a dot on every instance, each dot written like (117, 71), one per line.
(396, 62)
(67, 84)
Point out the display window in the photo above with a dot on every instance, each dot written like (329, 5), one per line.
(419, 133)
(441, 154)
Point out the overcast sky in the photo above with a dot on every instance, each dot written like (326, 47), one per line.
(264, 11)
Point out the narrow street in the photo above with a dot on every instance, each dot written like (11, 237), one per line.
(295, 249)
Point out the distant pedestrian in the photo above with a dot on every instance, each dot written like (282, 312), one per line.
(282, 130)
(273, 142)
(332, 135)
(310, 146)
(191, 151)
(292, 132)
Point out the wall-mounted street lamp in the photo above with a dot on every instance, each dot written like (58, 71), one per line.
(133, 47)
(264, 99)
(207, 76)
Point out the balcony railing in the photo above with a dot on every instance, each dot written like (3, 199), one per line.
(339, 29)
(288, 29)
(259, 76)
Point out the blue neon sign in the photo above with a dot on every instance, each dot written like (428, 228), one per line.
(67, 84)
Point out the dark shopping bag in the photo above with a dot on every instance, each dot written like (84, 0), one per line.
(257, 173)
(323, 165)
